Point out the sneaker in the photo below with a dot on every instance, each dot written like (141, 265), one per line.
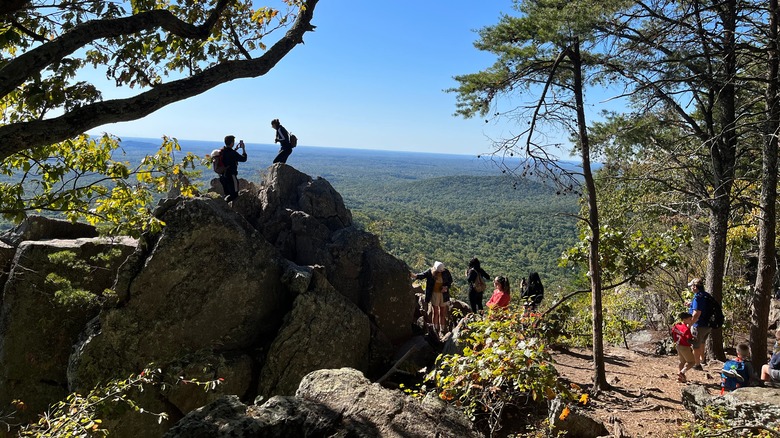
(698, 367)
(732, 373)
(681, 378)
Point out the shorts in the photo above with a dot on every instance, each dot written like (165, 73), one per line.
(700, 335)
(437, 299)
(685, 354)
(775, 375)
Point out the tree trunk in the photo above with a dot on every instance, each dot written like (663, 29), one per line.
(723, 153)
(762, 294)
(599, 368)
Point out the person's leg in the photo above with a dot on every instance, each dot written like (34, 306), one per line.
(698, 347)
(765, 373)
(445, 310)
(281, 157)
(473, 301)
(228, 186)
(704, 334)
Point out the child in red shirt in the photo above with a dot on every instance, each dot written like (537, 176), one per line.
(681, 334)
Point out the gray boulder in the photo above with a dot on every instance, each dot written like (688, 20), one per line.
(324, 330)
(328, 403)
(209, 282)
(37, 330)
(306, 220)
(747, 406)
(44, 228)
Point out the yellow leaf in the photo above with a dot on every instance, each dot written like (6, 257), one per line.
(549, 393)
(564, 414)
(584, 399)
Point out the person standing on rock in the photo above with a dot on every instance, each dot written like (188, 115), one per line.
(437, 293)
(230, 158)
(476, 277)
(283, 138)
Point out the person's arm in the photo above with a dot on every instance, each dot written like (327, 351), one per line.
(472, 277)
(446, 278)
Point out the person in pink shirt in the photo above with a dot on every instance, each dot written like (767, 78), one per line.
(500, 297)
(681, 335)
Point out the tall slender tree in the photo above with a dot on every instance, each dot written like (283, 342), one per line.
(540, 53)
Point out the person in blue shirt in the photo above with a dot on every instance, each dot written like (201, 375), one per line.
(700, 311)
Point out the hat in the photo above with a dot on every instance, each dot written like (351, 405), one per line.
(438, 267)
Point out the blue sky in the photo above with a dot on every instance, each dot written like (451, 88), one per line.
(371, 76)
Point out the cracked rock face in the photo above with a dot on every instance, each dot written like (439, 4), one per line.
(333, 402)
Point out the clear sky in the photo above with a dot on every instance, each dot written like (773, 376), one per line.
(371, 76)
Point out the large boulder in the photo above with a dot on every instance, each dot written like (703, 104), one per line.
(747, 406)
(209, 282)
(308, 223)
(328, 403)
(53, 289)
(44, 228)
(324, 330)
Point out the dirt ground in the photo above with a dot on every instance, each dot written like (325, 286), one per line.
(646, 398)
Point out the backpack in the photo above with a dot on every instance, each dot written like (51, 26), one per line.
(293, 140)
(534, 289)
(714, 316)
(479, 284)
(733, 375)
(217, 164)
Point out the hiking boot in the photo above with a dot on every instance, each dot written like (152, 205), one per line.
(698, 367)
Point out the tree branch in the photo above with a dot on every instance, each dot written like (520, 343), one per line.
(19, 69)
(19, 136)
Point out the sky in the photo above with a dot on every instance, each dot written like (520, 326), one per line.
(371, 76)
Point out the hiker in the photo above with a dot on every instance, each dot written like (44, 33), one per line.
(500, 297)
(681, 335)
(771, 372)
(701, 309)
(437, 293)
(738, 373)
(283, 138)
(228, 167)
(532, 292)
(476, 277)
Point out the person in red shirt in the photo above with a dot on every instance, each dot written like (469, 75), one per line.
(500, 297)
(681, 335)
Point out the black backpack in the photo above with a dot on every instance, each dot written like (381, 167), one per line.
(293, 140)
(714, 315)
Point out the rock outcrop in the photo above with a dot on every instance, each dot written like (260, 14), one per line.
(336, 402)
(258, 293)
(747, 407)
(38, 324)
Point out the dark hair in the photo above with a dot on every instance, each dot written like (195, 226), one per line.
(503, 282)
(743, 350)
(474, 263)
(275, 122)
(229, 140)
(533, 277)
(684, 315)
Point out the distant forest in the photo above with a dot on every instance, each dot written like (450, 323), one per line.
(427, 207)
